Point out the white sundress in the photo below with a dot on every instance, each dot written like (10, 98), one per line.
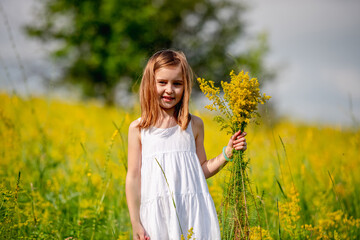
(175, 151)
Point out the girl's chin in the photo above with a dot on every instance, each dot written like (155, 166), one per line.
(167, 105)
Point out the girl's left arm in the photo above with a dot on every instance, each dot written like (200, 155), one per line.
(214, 165)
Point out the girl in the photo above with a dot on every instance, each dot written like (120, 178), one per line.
(166, 190)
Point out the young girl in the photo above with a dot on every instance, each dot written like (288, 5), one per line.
(164, 205)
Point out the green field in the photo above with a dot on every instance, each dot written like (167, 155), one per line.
(63, 167)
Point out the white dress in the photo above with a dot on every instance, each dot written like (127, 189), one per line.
(175, 151)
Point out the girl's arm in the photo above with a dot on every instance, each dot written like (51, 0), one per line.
(213, 166)
(133, 181)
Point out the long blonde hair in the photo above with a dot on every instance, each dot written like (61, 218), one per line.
(150, 108)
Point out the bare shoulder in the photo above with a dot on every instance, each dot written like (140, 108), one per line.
(134, 124)
(197, 126)
(134, 129)
(197, 121)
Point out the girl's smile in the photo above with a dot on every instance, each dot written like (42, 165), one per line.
(167, 99)
(169, 86)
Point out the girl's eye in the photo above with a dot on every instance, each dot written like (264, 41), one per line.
(178, 83)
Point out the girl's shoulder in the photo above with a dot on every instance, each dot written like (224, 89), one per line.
(134, 129)
(196, 121)
(197, 125)
(134, 124)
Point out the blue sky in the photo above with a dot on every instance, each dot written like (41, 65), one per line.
(314, 44)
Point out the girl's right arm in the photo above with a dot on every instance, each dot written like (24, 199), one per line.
(133, 181)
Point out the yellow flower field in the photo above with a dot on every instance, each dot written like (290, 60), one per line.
(63, 167)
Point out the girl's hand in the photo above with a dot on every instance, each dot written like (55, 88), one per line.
(139, 232)
(237, 142)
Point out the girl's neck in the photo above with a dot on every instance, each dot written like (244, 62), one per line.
(166, 119)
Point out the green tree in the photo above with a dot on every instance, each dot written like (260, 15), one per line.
(104, 42)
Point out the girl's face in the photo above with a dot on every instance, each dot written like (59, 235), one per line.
(169, 86)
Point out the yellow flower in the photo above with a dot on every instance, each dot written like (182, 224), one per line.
(240, 99)
(257, 233)
(335, 225)
(189, 236)
(190, 233)
(289, 212)
(114, 135)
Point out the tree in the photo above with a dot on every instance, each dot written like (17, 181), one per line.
(104, 42)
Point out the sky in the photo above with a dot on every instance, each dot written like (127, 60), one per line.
(314, 46)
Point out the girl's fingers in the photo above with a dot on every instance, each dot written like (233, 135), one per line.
(143, 237)
(240, 146)
(239, 140)
(236, 135)
(243, 134)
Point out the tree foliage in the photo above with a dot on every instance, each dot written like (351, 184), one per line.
(104, 42)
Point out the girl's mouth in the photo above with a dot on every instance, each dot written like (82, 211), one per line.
(167, 99)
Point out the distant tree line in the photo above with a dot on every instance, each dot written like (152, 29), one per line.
(104, 42)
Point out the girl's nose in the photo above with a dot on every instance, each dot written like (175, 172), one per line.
(169, 89)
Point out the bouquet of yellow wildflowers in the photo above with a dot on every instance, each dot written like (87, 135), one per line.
(239, 102)
(237, 106)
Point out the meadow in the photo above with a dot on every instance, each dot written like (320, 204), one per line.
(63, 166)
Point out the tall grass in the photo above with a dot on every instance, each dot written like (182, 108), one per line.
(72, 163)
